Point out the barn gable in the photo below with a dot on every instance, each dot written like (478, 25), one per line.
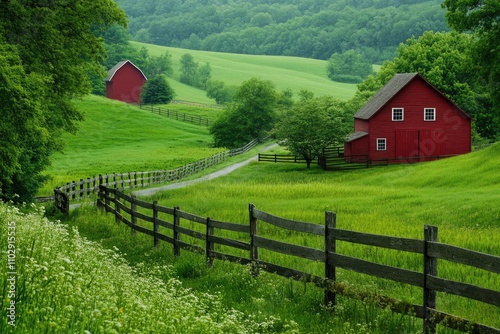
(124, 82)
(409, 120)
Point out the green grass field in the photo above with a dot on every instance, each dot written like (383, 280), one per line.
(286, 72)
(118, 138)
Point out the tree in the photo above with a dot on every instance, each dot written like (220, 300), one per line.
(312, 125)
(250, 116)
(218, 91)
(155, 66)
(157, 91)
(189, 69)
(47, 51)
(348, 67)
(482, 18)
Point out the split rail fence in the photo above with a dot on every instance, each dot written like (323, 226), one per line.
(180, 116)
(85, 188)
(175, 226)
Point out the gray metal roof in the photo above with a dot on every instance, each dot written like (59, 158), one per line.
(398, 82)
(115, 68)
(356, 135)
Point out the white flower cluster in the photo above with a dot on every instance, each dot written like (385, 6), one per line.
(68, 284)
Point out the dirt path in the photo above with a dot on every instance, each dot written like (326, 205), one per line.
(216, 174)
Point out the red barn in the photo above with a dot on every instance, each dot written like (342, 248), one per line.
(124, 82)
(408, 120)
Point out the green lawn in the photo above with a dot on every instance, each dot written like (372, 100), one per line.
(116, 138)
(286, 72)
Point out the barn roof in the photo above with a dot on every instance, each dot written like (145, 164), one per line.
(114, 69)
(386, 93)
(356, 135)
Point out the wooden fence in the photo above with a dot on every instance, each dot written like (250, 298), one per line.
(281, 158)
(180, 116)
(167, 224)
(85, 188)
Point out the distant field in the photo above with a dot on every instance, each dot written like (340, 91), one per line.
(286, 72)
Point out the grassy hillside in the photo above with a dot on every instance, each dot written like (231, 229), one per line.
(117, 137)
(286, 72)
(459, 195)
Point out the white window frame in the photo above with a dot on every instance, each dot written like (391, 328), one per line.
(402, 114)
(433, 115)
(381, 141)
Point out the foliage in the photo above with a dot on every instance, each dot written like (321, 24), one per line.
(48, 49)
(312, 125)
(158, 65)
(68, 284)
(157, 91)
(348, 67)
(482, 18)
(250, 116)
(191, 72)
(445, 60)
(312, 29)
(217, 90)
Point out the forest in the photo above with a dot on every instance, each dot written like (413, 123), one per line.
(310, 28)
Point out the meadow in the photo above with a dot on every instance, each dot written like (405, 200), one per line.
(116, 138)
(293, 73)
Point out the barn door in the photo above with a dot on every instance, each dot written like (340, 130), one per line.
(431, 143)
(407, 143)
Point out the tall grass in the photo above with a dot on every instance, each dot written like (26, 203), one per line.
(459, 195)
(293, 73)
(65, 283)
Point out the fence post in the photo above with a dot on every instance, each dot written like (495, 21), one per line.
(81, 189)
(106, 198)
(177, 235)
(100, 198)
(430, 268)
(330, 246)
(254, 250)
(156, 226)
(209, 245)
(133, 209)
(117, 208)
(73, 190)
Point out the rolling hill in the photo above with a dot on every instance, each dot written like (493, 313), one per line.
(294, 73)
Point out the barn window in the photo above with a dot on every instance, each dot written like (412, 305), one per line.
(381, 144)
(429, 114)
(398, 114)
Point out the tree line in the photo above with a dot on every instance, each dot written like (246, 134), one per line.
(311, 28)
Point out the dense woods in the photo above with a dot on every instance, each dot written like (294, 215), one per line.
(311, 28)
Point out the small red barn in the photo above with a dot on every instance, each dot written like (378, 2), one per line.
(124, 82)
(408, 120)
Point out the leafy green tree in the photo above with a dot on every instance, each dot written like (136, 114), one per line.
(157, 91)
(158, 65)
(312, 125)
(189, 69)
(250, 116)
(482, 18)
(218, 91)
(47, 50)
(348, 67)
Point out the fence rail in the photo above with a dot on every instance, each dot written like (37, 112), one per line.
(281, 158)
(85, 188)
(125, 209)
(180, 116)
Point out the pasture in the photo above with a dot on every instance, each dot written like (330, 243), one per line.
(116, 138)
(459, 195)
(294, 73)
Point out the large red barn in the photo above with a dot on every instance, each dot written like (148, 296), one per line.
(408, 120)
(124, 82)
